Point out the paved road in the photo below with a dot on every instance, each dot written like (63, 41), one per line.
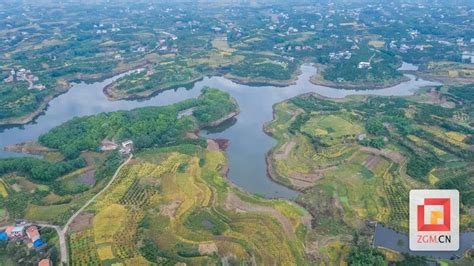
(66, 226)
(62, 242)
(62, 232)
(62, 238)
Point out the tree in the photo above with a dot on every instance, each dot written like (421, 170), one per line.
(364, 254)
(375, 127)
(410, 260)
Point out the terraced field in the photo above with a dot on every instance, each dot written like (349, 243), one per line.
(169, 207)
(356, 159)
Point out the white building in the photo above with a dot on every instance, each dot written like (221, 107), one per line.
(363, 65)
(127, 147)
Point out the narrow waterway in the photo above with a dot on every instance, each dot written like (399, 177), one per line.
(391, 239)
(248, 142)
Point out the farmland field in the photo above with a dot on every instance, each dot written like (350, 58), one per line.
(359, 165)
(169, 207)
(233, 132)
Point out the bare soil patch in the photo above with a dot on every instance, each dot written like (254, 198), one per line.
(302, 181)
(372, 162)
(82, 222)
(395, 156)
(284, 151)
(223, 143)
(212, 145)
(29, 147)
(217, 144)
(191, 135)
(170, 209)
(207, 248)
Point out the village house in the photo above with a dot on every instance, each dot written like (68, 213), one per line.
(127, 147)
(45, 262)
(34, 237)
(39, 87)
(33, 233)
(363, 65)
(108, 145)
(14, 232)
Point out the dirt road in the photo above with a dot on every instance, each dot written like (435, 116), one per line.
(62, 232)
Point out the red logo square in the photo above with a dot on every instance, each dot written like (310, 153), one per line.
(446, 226)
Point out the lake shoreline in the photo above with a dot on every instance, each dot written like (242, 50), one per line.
(31, 117)
(113, 95)
(254, 82)
(262, 82)
(248, 143)
(318, 80)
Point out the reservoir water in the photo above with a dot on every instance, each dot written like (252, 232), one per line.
(248, 142)
(391, 239)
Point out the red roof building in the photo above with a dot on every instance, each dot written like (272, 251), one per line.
(8, 230)
(32, 233)
(45, 262)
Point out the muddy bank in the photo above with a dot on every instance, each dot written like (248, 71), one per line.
(273, 175)
(269, 158)
(222, 143)
(114, 95)
(213, 145)
(445, 79)
(29, 147)
(318, 80)
(260, 82)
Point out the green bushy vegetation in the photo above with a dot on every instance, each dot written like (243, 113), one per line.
(161, 77)
(17, 100)
(147, 127)
(412, 144)
(33, 184)
(256, 66)
(383, 67)
(364, 254)
(39, 170)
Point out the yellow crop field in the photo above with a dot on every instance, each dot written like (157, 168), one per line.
(108, 222)
(336, 126)
(456, 136)
(186, 207)
(426, 144)
(3, 189)
(447, 136)
(105, 252)
(433, 179)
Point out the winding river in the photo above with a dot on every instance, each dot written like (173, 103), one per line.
(248, 142)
